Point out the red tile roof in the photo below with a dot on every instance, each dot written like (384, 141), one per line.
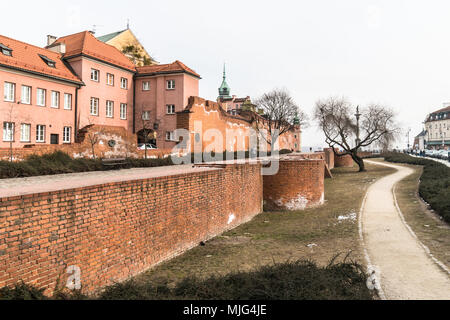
(26, 57)
(85, 43)
(442, 110)
(174, 67)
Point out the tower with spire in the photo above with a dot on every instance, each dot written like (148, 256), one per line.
(224, 90)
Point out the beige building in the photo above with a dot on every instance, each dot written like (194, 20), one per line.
(127, 42)
(437, 125)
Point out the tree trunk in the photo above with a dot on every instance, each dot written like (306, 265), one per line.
(359, 161)
(10, 151)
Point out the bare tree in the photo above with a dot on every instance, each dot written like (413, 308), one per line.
(13, 116)
(146, 132)
(342, 129)
(280, 113)
(93, 135)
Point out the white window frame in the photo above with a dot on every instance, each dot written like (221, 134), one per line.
(109, 109)
(9, 93)
(40, 133)
(170, 136)
(25, 135)
(8, 131)
(67, 101)
(95, 75)
(170, 84)
(55, 103)
(123, 111)
(67, 134)
(109, 77)
(145, 115)
(145, 85)
(94, 106)
(25, 93)
(124, 83)
(170, 109)
(44, 97)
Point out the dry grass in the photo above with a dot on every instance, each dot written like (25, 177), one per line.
(314, 234)
(429, 228)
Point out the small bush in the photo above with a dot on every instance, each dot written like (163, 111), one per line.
(434, 185)
(22, 291)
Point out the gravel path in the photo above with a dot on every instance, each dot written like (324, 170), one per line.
(402, 264)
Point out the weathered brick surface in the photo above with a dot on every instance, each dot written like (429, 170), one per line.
(297, 185)
(343, 161)
(116, 230)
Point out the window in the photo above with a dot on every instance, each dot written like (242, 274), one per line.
(170, 109)
(67, 101)
(110, 79)
(55, 99)
(66, 134)
(41, 97)
(95, 75)
(146, 85)
(109, 109)
(40, 133)
(10, 91)
(5, 50)
(48, 61)
(94, 107)
(26, 95)
(146, 115)
(170, 136)
(123, 111)
(8, 131)
(170, 84)
(124, 83)
(25, 130)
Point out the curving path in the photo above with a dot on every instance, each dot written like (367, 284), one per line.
(403, 266)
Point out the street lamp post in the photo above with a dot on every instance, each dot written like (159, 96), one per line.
(357, 115)
(409, 130)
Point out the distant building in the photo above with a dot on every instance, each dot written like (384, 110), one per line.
(127, 42)
(437, 126)
(230, 104)
(419, 141)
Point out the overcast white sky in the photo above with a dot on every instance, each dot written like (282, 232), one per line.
(394, 52)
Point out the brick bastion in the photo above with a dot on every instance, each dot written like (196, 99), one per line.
(115, 227)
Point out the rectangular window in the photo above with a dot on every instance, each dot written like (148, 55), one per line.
(109, 79)
(40, 133)
(170, 109)
(146, 115)
(26, 95)
(10, 92)
(25, 130)
(94, 107)
(109, 109)
(146, 85)
(67, 101)
(66, 134)
(170, 136)
(95, 75)
(55, 99)
(8, 131)
(41, 97)
(123, 111)
(170, 84)
(124, 83)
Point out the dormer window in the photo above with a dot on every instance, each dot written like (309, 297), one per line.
(48, 61)
(5, 50)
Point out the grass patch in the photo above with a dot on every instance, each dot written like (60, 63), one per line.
(434, 185)
(433, 232)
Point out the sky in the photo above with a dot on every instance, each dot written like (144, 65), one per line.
(395, 53)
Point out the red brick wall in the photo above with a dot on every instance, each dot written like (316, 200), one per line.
(116, 230)
(343, 161)
(329, 157)
(297, 185)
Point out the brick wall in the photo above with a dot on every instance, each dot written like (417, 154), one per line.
(343, 161)
(297, 185)
(329, 157)
(117, 230)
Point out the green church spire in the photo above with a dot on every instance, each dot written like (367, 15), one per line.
(224, 90)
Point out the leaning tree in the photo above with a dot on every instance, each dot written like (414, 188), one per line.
(374, 124)
(280, 113)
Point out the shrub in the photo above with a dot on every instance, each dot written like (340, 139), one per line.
(434, 185)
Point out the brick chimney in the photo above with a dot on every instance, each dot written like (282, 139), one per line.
(50, 40)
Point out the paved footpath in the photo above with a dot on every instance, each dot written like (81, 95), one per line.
(406, 270)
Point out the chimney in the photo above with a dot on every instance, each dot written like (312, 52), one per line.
(50, 39)
(58, 47)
